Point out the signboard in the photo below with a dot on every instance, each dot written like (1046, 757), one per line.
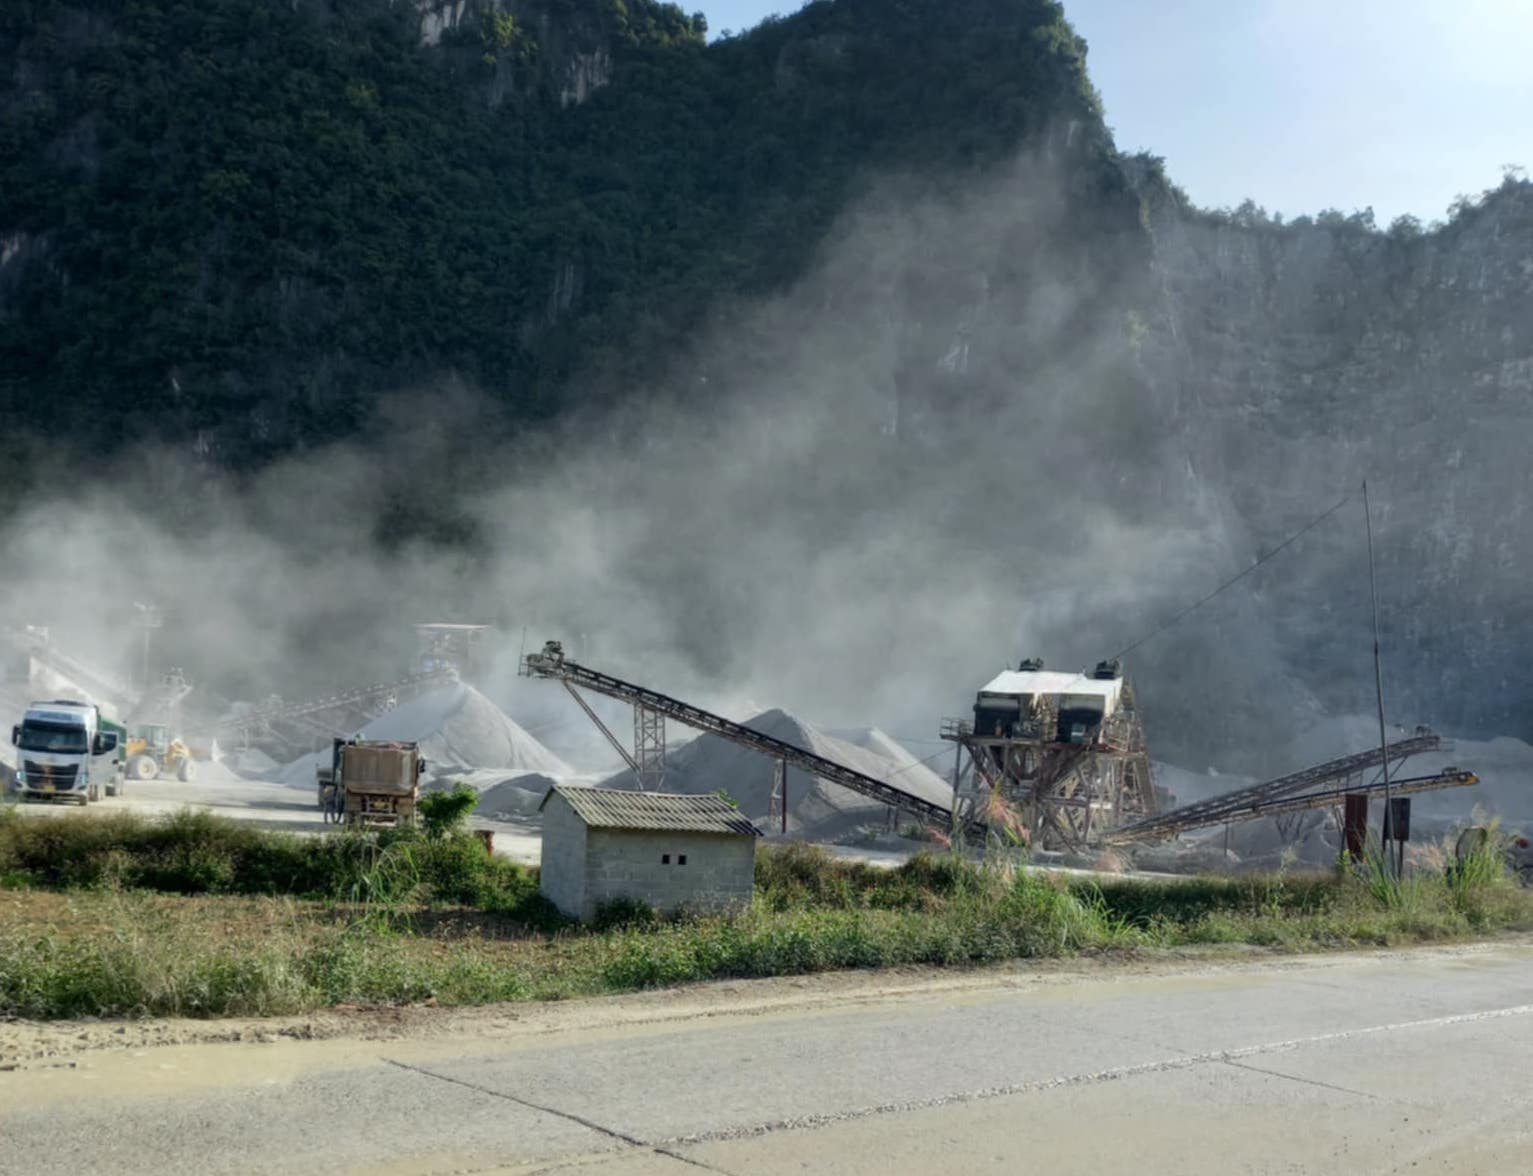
(1355, 825)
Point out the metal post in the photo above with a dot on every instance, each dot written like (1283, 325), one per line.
(780, 789)
(955, 827)
(1378, 673)
(149, 619)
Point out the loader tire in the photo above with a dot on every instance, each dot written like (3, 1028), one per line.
(143, 767)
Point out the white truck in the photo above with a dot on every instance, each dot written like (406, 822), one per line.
(68, 751)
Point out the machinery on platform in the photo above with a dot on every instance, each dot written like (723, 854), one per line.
(291, 728)
(1058, 760)
(1053, 759)
(463, 649)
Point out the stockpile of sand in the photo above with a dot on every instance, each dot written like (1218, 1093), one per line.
(252, 761)
(458, 729)
(514, 798)
(816, 810)
(886, 747)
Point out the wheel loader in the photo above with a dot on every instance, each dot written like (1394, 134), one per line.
(152, 751)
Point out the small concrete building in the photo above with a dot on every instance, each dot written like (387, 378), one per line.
(660, 849)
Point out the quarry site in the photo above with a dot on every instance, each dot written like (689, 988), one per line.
(1051, 766)
(854, 587)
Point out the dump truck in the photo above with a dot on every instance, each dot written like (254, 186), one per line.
(371, 782)
(67, 750)
(154, 751)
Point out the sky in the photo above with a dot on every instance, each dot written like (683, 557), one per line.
(1304, 105)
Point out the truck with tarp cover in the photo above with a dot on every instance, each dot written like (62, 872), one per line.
(371, 782)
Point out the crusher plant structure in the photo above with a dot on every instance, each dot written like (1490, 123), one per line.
(1348, 785)
(1054, 758)
(652, 709)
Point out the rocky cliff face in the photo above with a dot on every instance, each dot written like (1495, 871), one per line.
(529, 41)
(1299, 360)
(1274, 368)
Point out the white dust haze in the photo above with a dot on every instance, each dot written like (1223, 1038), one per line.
(856, 501)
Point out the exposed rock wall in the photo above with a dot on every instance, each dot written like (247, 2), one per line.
(569, 50)
(1300, 359)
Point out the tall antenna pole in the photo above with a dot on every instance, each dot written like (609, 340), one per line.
(1378, 673)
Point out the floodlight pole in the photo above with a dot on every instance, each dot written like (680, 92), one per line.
(1378, 679)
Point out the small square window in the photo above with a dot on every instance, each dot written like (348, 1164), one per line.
(665, 859)
(681, 859)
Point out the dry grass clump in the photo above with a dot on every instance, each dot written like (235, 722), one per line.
(436, 919)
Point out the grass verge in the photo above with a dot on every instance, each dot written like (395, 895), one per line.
(189, 917)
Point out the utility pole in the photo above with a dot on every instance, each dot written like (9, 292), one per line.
(148, 620)
(1378, 678)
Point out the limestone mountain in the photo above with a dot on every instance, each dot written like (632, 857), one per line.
(235, 228)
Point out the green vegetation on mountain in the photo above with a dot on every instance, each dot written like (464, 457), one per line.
(237, 223)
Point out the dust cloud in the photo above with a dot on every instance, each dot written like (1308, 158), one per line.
(856, 500)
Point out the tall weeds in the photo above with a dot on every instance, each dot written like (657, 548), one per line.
(402, 917)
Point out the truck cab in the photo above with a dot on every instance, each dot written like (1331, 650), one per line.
(67, 751)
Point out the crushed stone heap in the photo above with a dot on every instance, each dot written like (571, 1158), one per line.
(458, 729)
(816, 810)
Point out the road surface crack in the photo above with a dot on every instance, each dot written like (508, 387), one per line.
(1185, 1062)
(570, 1116)
(1303, 1080)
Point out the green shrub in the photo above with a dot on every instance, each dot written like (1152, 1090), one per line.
(620, 913)
(198, 853)
(444, 814)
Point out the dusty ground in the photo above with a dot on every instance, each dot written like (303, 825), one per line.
(270, 804)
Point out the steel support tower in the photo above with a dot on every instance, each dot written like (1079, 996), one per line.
(649, 747)
(777, 807)
(1054, 795)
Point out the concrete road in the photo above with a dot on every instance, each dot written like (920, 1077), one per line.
(1387, 1063)
(215, 789)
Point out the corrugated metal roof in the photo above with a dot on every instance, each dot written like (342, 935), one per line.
(1052, 682)
(612, 808)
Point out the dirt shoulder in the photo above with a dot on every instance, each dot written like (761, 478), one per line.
(26, 1045)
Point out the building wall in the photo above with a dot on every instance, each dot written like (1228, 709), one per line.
(719, 873)
(562, 876)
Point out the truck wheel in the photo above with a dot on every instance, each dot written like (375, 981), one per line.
(186, 770)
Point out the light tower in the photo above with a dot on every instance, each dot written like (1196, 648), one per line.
(149, 619)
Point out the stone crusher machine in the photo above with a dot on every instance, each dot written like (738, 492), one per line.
(1056, 759)
(371, 782)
